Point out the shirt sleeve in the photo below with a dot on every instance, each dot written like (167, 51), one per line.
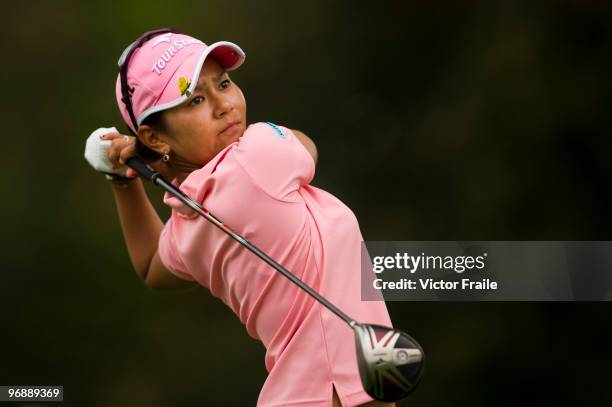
(275, 159)
(167, 253)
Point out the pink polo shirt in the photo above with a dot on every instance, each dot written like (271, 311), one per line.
(259, 187)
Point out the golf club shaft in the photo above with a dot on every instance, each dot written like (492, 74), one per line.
(149, 173)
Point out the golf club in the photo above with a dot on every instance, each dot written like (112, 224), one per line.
(390, 361)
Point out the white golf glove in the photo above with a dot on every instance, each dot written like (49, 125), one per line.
(96, 152)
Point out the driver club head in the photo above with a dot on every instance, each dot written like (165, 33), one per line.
(390, 361)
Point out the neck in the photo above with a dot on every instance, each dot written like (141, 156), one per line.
(180, 176)
(180, 169)
(174, 169)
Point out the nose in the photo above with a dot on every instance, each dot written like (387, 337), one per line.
(223, 105)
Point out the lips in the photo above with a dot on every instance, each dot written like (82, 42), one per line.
(231, 126)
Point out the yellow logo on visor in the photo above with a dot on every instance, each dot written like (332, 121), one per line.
(183, 85)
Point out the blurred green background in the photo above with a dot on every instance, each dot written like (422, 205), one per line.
(434, 121)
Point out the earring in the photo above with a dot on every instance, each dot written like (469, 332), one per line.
(165, 158)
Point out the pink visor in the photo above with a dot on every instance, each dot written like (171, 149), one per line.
(164, 72)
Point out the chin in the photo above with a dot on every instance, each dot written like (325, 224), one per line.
(226, 141)
(236, 136)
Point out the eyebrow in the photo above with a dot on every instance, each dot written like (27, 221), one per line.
(200, 85)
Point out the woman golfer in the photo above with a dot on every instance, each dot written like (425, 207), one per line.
(189, 119)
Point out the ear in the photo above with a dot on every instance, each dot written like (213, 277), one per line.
(154, 140)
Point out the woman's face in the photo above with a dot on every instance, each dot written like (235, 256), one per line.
(212, 118)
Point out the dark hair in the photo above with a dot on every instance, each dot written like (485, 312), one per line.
(155, 121)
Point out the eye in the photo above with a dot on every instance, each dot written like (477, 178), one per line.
(224, 84)
(197, 100)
